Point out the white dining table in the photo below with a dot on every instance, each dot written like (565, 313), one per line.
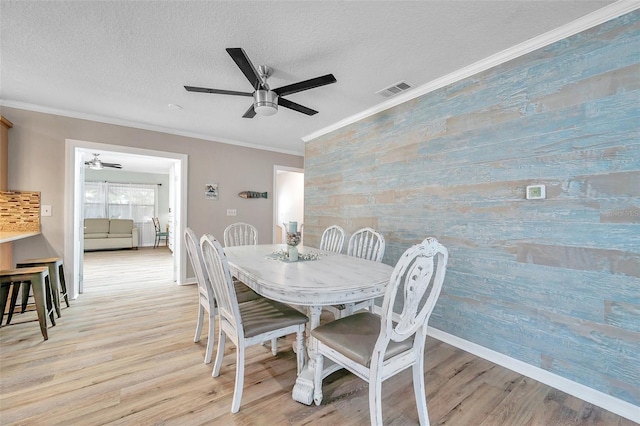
(331, 279)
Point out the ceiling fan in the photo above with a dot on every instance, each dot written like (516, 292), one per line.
(265, 99)
(96, 164)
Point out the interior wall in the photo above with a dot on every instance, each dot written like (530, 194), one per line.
(290, 198)
(553, 283)
(37, 162)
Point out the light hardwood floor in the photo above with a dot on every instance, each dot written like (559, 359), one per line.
(123, 354)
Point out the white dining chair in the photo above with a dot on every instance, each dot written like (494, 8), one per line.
(365, 243)
(332, 239)
(240, 234)
(248, 323)
(376, 347)
(206, 295)
(244, 234)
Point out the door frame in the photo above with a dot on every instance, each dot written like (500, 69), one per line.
(73, 257)
(277, 169)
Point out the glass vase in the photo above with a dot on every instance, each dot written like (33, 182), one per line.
(293, 253)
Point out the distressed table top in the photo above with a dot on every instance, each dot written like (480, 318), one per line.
(332, 279)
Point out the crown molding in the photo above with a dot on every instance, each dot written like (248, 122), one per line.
(591, 20)
(125, 123)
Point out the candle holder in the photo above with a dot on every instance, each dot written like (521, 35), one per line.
(293, 239)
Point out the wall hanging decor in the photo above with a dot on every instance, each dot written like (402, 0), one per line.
(211, 191)
(252, 194)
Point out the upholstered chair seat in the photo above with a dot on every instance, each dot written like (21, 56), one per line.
(376, 347)
(358, 346)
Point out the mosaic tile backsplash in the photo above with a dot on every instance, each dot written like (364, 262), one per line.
(20, 211)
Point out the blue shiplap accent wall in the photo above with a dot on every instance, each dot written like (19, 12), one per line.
(554, 283)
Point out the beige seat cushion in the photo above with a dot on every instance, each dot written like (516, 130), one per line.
(262, 315)
(355, 336)
(95, 235)
(244, 293)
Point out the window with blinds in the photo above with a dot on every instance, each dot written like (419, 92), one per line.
(120, 201)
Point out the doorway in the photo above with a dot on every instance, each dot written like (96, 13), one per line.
(74, 182)
(288, 204)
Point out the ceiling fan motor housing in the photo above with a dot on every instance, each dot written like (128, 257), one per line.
(96, 164)
(265, 102)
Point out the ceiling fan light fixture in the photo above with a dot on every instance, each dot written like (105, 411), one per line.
(96, 165)
(265, 102)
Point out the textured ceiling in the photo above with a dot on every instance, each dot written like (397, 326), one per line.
(124, 62)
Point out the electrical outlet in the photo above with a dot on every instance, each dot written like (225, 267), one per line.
(45, 210)
(232, 212)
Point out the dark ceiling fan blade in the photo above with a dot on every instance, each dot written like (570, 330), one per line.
(250, 112)
(216, 91)
(242, 61)
(305, 85)
(296, 107)
(114, 165)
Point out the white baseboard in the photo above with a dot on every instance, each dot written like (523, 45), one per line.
(190, 281)
(585, 393)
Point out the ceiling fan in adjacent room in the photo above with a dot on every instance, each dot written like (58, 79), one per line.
(96, 164)
(265, 99)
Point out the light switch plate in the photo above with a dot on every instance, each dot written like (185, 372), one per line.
(232, 212)
(45, 210)
(536, 192)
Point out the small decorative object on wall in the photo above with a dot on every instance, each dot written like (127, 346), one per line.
(536, 192)
(252, 194)
(211, 191)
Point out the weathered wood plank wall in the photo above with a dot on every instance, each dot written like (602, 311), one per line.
(555, 282)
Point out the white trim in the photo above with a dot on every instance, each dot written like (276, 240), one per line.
(73, 163)
(71, 249)
(277, 169)
(580, 391)
(598, 17)
(585, 393)
(135, 125)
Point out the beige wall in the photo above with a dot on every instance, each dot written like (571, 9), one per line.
(37, 163)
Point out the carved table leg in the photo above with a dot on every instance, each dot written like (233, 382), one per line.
(303, 390)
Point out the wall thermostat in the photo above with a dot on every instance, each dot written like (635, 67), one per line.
(536, 192)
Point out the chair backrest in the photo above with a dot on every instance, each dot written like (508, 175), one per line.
(217, 268)
(156, 224)
(366, 243)
(332, 239)
(240, 234)
(421, 271)
(207, 295)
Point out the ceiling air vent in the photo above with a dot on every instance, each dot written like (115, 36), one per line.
(387, 92)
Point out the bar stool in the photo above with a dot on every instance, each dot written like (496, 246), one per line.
(56, 275)
(38, 278)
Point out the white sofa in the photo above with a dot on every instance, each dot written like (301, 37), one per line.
(109, 234)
